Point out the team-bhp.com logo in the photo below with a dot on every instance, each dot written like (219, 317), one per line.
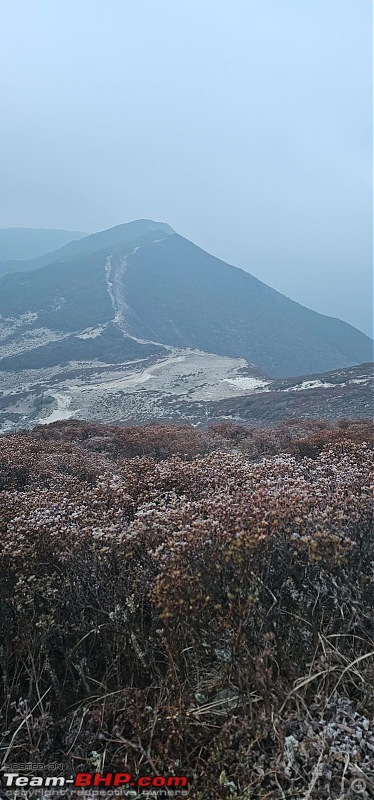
(94, 780)
(123, 785)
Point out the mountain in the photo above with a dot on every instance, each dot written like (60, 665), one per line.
(137, 323)
(140, 289)
(182, 386)
(23, 244)
(177, 294)
(339, 394)
(83, 244)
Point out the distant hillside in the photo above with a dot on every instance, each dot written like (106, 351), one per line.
(345, 393)
(157, 287)
(27, 243)
(82, 244)
(178, 294)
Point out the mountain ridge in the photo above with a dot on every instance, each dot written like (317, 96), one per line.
(86, 244)
(155, 287)
(19, 245)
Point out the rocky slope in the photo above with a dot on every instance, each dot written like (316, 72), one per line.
(145, 283)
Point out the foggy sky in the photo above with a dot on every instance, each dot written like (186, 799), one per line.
(246, 125)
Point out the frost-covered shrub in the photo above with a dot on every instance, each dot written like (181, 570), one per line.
(194, 605)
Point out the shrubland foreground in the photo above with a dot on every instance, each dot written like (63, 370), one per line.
(192, 602)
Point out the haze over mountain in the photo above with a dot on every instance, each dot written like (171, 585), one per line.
(142, 286)
(138, 323)
(258, 148)
(27, 243)
(84, 244)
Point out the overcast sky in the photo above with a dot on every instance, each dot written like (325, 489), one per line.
(245, 124)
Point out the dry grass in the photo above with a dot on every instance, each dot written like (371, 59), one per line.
(174, 601)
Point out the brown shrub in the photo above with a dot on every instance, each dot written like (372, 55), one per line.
(186, 608)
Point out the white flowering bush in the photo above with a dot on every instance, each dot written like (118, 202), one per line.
(201, 600)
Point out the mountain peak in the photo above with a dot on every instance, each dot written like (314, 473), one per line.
(136, 227)
(126, 234)
(152, 225)
(118, 286)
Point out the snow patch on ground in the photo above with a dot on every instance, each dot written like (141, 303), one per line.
(20, 341)
(91, 333)
(114, 278)
(115, 273)
(139, 390)
(248, 384)
(189, 373)
(62, 411)
(58, 302)
(10, 324)
(310, 385)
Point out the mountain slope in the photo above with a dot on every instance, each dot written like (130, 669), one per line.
(180, 295)
(344, 393)
(154, 286)
(29, 243)
(86, 245)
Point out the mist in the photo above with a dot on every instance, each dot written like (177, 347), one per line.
(247, 126)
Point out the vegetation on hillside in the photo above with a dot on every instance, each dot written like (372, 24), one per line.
(170, 291)
(191, 602)
(110, 347)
